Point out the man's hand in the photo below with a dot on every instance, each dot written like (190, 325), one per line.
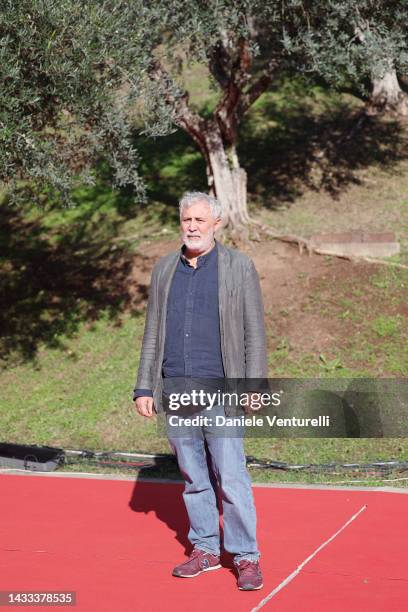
(253, 406)
(144, 406)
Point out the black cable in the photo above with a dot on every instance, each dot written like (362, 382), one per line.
(108, 459)
(140, 461)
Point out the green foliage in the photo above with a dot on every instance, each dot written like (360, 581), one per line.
(330, 365)
(343, 41)
(387, 326)
(62, 102)
(77, 78)
(348, 41)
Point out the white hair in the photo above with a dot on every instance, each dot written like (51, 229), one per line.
(191, 197)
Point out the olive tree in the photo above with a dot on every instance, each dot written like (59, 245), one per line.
(74, 75)
(246, 44)
(64, 97)
(358, 42)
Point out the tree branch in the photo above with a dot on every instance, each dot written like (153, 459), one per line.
(185, 118)
(226, 112)
(258, 87)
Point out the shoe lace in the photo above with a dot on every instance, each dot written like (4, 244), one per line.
(249, 568)
(196, 553)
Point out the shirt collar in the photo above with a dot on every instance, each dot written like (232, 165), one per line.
(201, 259)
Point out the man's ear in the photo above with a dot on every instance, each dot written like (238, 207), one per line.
(217, 223)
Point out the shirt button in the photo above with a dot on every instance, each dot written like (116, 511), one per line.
(186, 334)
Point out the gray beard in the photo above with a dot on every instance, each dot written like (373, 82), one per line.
(202, 243)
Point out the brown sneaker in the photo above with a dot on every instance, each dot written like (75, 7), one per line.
(199, 561)
(249, 575)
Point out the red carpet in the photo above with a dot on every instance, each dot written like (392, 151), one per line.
(116, 542)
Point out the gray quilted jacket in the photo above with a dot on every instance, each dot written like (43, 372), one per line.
(242, 326)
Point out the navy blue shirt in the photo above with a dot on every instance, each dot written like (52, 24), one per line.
(193, 341)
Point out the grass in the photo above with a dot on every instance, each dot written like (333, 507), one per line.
(378, 203)
(114, 214)
(369, 329)
(387, 326)
(369, 478)
(314, 176)
(78, 396)
(70, 386)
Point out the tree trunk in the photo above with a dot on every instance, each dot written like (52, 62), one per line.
(227, 181)
(217, 137)
(387, 95)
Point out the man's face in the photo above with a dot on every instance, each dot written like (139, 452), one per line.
(198, 227)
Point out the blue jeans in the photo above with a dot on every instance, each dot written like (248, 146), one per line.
(229, 466)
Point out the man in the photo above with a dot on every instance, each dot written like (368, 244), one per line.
(205, 319)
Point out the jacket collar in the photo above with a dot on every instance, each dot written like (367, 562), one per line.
(224, 278)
